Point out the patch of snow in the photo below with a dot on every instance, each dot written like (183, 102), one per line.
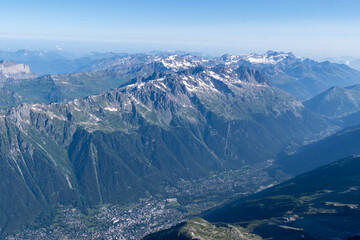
(68, 181)
(214, 75)
(111, 109)
(291, 228)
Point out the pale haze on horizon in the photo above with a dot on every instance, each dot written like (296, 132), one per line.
(316, 29)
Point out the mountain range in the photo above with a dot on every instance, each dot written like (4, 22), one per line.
(129, 127)
(350, 61)
(301, 78)
(133, 141)
(52, 62)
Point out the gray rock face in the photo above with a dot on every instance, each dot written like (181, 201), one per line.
(13, 71)
(12, 68)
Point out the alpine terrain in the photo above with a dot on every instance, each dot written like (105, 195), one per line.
(184, 121)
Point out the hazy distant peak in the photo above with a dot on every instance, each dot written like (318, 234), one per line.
(10, 69)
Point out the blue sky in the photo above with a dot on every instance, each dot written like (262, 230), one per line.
(316, 28)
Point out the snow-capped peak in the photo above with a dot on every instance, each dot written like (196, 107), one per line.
(176, 62)
(269, 57)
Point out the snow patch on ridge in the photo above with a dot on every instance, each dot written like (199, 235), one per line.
(111, 109)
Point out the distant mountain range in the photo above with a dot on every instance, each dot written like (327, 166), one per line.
(321, 204)
(52, 62)
(350, 61)
(301, 78)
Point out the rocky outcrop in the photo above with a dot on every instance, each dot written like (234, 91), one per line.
(14, 71)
